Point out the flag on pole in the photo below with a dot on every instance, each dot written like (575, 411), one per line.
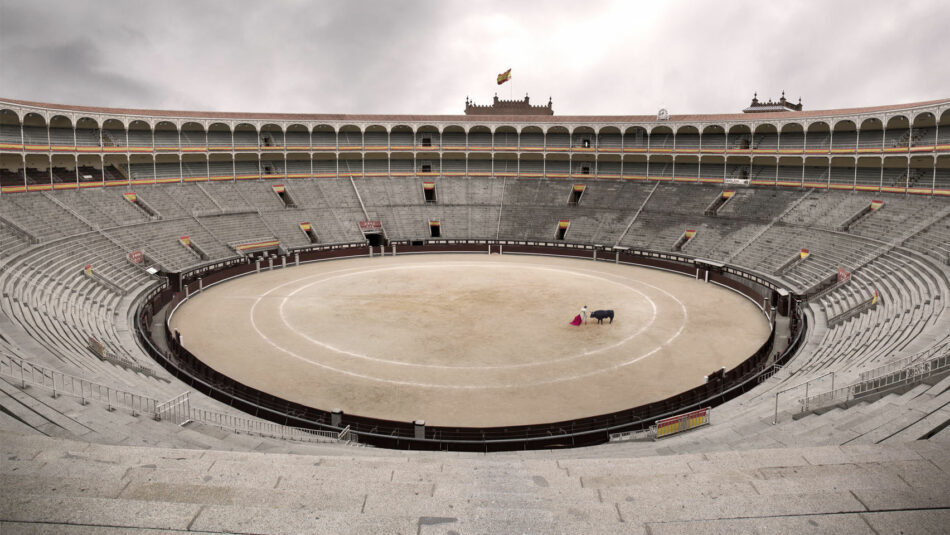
(504, 77)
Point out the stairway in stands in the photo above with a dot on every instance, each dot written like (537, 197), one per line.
(54, 485)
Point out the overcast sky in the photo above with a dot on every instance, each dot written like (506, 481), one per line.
(591, 57)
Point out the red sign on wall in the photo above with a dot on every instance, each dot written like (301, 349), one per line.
(136, 256)
(843, 274)
(370, 225)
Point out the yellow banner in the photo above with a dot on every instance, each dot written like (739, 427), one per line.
(728, 193)
(564, 223)
(185, 240)
(258, 245)
(579, 187)
(278, 188)
(876, 204)
(804, 254)
(129, 196)
(305, 226)
(87, 270)
(428, 185)
(434, 223)
(690, 233)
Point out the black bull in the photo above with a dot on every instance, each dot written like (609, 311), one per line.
(601, 315)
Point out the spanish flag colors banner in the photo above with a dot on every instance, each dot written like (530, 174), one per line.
(876, 204)
(185, 240)
(690, 233)
(130, 196)
(874, 299)
(428, 185)
(278, 188)
(579, 187)
(804, 254)
(305, 226)
(87, 270)
(434, 223)
(258, 245)
(728, 193)
(504, 77)
(564, 223)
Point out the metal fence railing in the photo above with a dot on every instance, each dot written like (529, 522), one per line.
(61, 384)
(882, 378)
(806, 384)
(905, 362)
(854, 311)
(177, 410)
(263, 428)
(642, 434)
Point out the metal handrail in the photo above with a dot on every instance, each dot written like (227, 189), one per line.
(178, 409)
(250, 426)
(886, 369)
(805, 384)
(912, 373)
(28, 373)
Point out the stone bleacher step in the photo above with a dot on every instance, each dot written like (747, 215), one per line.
(39, 415)
(73, 483)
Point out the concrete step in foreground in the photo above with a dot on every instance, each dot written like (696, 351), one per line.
(55, 485)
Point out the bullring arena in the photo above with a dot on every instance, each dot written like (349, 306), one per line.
(296, 323)
(469, 341)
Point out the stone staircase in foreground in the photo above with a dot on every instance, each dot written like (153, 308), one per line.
(56, 485)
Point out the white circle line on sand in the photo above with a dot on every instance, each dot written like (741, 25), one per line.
(363, 356)
(305, 360)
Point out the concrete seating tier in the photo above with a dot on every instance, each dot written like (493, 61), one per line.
(102, 208)
(160, 242)
(46, 294)
(11, 242)
(758, 204)
(933, 241)
(911, 303)
(880, 464)
(897, 217)
(60, 485)
(670, 199)
(39, 216)
(227, 195)
(827, 209)
(720, 240)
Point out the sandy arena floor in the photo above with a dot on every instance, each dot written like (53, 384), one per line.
(469, 340)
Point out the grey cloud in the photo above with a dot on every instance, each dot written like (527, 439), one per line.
(76, 70)
(425, 57)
